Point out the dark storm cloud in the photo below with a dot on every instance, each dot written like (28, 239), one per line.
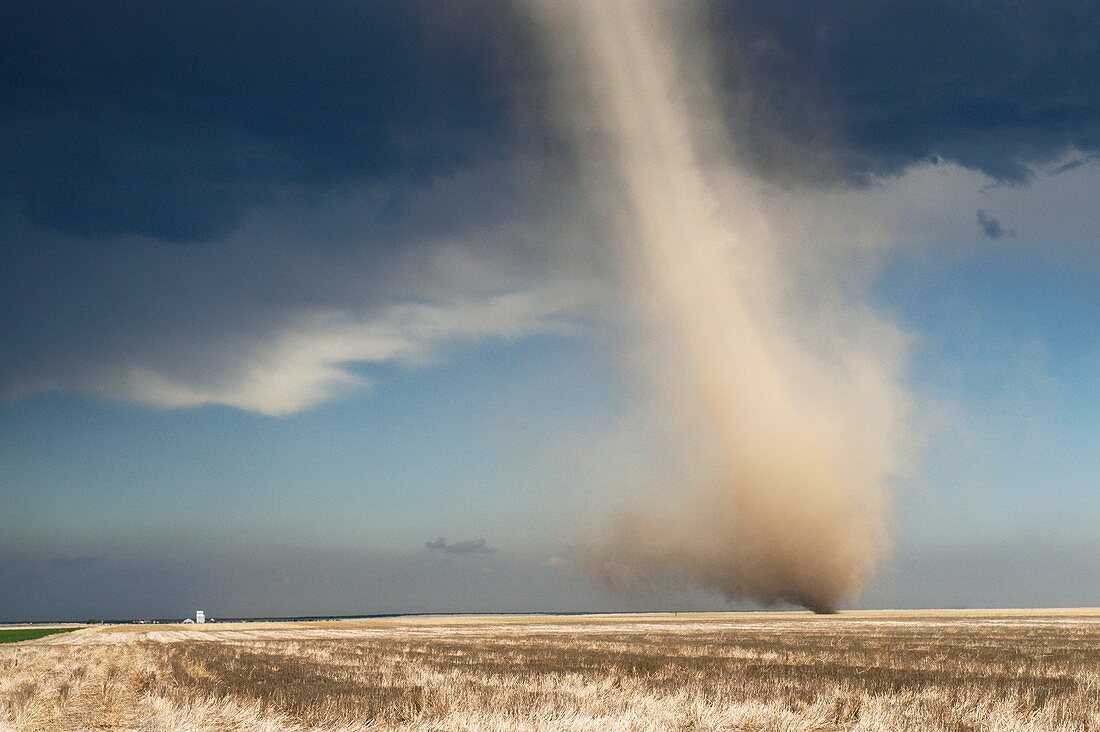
(350, 176)
(322, 157)
(469, 546)
(172, 119)
(330, 283)
(847, 89)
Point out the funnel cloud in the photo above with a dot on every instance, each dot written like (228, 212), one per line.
(776, 389)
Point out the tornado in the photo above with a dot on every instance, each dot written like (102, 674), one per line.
(776, 388)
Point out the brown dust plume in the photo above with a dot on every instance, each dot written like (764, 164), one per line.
(776, 387)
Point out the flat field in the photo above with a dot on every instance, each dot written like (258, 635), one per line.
(980, 670)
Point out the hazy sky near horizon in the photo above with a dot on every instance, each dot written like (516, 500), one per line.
(290, 292)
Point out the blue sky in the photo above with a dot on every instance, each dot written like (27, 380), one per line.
(275, 312)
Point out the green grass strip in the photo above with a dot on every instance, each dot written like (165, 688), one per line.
(14, 635)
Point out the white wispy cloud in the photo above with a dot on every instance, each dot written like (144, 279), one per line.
(313, 359)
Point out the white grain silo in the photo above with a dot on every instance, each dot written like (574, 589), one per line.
(200, 616)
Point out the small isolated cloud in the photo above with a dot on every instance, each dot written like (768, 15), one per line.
(991, 227)
(469, 546)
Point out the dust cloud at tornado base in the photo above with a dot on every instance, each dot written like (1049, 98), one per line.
(778, 388)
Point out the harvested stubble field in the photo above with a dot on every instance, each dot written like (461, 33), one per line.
(777, 671)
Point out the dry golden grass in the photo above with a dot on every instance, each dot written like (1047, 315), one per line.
(990, 670)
